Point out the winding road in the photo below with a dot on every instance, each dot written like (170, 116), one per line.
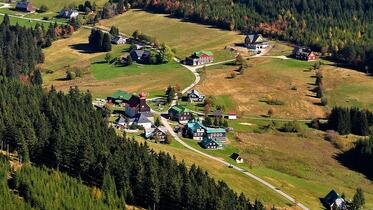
(165, 122)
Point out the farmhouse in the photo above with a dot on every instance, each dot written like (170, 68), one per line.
(24, 6)
(211, 144)
(195, 96)
(256, 42)
(236, 157)
(333, 201)
(136, 105)
(180, 114)
(197, 131)
(200, 58)
(119, 97)
(158, 133)
(68, 13)
(118, 40)
(305, 54)
(139, 55)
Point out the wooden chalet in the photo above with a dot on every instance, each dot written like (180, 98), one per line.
(180, 114)
(207, 143)
(196, 130)
(334, 201)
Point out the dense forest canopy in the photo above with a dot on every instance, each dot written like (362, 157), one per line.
(343, 28)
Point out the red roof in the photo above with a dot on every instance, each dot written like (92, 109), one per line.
(232, 113)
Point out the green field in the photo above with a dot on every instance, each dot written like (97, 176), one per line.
(236, 180)
(183, 36)
(55, 6)
(101, 78)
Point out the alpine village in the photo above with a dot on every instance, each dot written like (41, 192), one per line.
(186, 104)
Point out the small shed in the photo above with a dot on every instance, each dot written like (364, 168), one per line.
(232, 115)
(236, 157)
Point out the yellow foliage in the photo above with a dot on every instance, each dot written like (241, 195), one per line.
(96, 193)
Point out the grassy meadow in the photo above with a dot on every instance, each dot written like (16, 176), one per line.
(101, 78)
(285, 80)
(234, 179)
(185, 37)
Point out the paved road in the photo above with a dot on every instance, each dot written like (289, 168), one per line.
(169, 128)
(277, 190)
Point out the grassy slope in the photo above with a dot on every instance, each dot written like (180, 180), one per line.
(268, 76)
(55, 6)
(185, 37)
(103, 79)
(234, 179)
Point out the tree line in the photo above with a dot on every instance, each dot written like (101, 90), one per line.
(342, 29)
(351, 120)
(63, 131)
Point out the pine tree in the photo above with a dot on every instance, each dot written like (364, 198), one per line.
(106, 43)
(37, 78)
(359, 200)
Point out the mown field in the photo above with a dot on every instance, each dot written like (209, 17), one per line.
(55, 6)
(102, 79)
(286, 80)
(185, 37)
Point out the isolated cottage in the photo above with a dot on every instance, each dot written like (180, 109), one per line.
(236, 157)
(180, 114)
(68, 13)
(305, 54)
(24, 6)
(256, 42)
(136, 105)
(333, 201)
(195, 96)
(200, 58)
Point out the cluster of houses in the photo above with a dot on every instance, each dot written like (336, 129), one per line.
(137, 114)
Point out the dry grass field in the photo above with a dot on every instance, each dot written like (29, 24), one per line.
(304, 167)
(185, 37)
(285, 80)
(102, 79)
(346, 87)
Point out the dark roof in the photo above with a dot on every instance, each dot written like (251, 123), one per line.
(218, 113)
(140, 53)
(134, 101)
(234, 156)
(178, 109)
(255, 38)
(196, 93)
(142, 118)
(207, 141)
(331, 197)
(22, 4)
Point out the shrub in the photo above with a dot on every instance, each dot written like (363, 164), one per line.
(70, 75)
(315, 123)
(233, 75)
(333, 137)
(274, 101)
(290, 127)
(43, 8)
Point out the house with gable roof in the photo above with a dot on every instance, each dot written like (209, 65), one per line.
(196, 130)
(180, 114)
(137, 104)
(200, 58)
(334, 201)
(195, 96)
(256, 42)
(119, 97)
(24, 6)
(207, 143)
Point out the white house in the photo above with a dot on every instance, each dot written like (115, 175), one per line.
(256, 42)
(118, 40)
(232, 115)
(68, 13)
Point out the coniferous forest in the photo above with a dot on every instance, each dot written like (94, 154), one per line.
(343, 28)
(62, 131)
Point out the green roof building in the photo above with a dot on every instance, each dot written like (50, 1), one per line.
(120, 96)
(180, 114)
